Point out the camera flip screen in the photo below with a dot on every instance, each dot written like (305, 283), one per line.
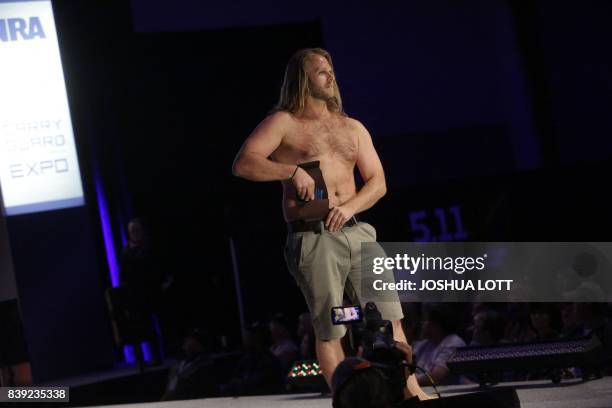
(346, 314)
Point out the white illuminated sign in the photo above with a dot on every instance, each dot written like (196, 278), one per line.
(39, 170)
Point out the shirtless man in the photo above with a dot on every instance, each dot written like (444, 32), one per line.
(309, 124)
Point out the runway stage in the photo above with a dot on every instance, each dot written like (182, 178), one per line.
(532, 394)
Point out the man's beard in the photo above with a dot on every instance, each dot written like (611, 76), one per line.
(320, 93)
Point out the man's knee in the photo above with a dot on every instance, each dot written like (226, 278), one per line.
(326, 331)
(329, 342)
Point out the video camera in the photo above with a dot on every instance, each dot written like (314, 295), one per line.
(375, 336)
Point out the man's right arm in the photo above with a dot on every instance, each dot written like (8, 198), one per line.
(252, 161)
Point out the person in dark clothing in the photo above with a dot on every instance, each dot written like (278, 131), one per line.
(258, 371)
(283, 346)
(488, 328)
(545, 320)
(592, 319)
(358, 383)
(194, 375)
(142, 280)
(139, 267)
(305, 332)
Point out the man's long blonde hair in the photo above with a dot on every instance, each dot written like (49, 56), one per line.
(296, 88)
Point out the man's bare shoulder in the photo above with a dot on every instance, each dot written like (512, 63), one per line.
(276, 125)
(279, 118)
(355, 125)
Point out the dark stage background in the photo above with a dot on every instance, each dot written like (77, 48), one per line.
(494, 112)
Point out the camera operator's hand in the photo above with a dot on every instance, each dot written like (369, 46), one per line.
(407, 350)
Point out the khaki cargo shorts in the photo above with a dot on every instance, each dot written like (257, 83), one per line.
(325, 265)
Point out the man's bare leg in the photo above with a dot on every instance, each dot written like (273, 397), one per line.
(329, 355)
(413, 386)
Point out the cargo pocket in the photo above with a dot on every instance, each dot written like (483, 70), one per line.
(293, 252)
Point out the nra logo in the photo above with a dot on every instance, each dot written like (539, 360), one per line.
(15, 29)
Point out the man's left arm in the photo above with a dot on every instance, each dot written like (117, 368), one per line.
(373, 176)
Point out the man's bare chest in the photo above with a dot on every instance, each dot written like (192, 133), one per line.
(315, 140)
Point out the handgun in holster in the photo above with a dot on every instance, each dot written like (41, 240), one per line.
(317, 209)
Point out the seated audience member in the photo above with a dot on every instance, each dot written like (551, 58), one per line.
(411, 321)
(488, 328)
(519, 329)
(283, 347)
(480, 307)
(545, 320)
(570, 327)
(305, 333)
(193, 376)
(308, 346)
(583, 319)
(438, 344)
(592, 319)
(258, 371)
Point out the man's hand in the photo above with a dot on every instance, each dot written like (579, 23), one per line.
(337, 217)
(304, 184)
